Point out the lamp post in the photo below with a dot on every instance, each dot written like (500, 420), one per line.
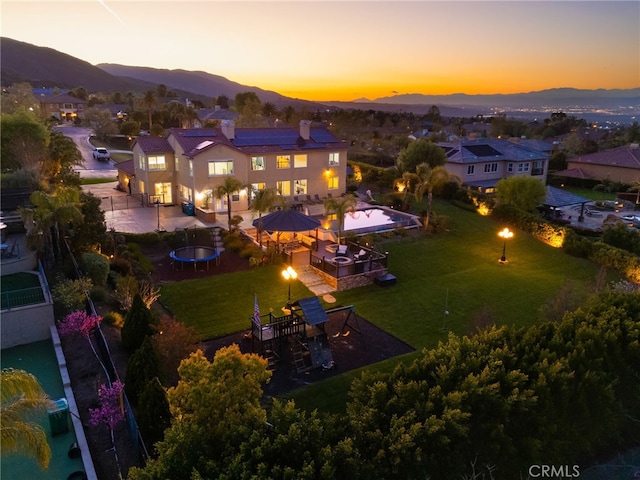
(289, 275)
(505, 234)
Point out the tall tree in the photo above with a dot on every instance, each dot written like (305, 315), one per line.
(228, 187)
(523, 192)
(22, 396)
(215, 409)
(263, 201)
(149, 101)
(137, 325)
(430, 180)
(421, 151)
(340, 207)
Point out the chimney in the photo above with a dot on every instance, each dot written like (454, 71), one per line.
(228, 129)
(305, 129)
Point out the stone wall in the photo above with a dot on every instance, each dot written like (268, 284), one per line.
(351, 281)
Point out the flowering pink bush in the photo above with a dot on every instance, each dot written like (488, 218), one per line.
(79, 322)
(110, 412)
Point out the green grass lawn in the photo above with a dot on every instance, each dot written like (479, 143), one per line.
(457, 271)
(594, 195)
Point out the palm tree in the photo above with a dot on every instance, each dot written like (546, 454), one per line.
(226, 189)
(262, 202)
(23, 396)
(50, 217)
(431, 179)
(149, 101)
(340, 207)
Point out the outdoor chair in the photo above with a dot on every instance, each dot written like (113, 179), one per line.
(342, 250)
(360, 255)
(317, 198)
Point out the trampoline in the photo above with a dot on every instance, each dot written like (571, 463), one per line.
(194, 256)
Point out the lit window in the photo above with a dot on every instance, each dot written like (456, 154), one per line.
(177, 164)
(300, 187)
(284, 188)
(471, 169)
(186, 192)
(283, 161)
(191, 168)
(156, 162)
(334, 159)
(141, 162)
(258, 163)
(256, 187)
(299, 161)
(220, 167)
(333, 183)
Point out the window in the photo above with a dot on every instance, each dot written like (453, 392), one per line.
(256, 187)
(283, 161)
(141, 186)
(220, 167)
(191, 168)
(490, 167)
(299, 161)
(333, 183)
(186, 192)
(177, 163)
(284, 188)
(510, 167)
(156, 162)
(300, 187)
(471, 169)
(523, 167)
(141, 162)
(258, 163)
(334, 159)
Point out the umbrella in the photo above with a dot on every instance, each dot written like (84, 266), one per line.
(286, 221)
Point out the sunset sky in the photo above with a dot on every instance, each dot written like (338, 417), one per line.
(322, 50)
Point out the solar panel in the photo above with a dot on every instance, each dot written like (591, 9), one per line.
(205, 132)
(322, 135)
(482, 150)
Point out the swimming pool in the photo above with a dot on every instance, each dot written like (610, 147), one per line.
(373, 220)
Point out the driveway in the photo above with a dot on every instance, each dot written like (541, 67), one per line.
(90, 167)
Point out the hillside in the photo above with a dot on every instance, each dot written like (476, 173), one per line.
(201, 83)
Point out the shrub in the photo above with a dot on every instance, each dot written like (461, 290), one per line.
(121, 265)
(233, 242)
(98, 293)
(576, 245)
(96, 267)
(153, 414)
(114, 318)
(142, 367)
(622, 237)
(137, 325)
(70, 295)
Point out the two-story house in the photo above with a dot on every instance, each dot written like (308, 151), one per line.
(61, 106)
(188, 164)
(482, 163)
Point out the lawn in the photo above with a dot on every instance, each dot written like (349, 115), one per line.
(456, 271)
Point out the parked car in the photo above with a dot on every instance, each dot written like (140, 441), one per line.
(101, 154)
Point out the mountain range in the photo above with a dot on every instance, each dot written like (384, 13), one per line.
(46, 67)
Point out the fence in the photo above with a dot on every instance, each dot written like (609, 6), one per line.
(110, 369)
(355, 263)
(121, 202)
(20, 298)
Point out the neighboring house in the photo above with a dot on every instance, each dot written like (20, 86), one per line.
(480, 164)
(188, 164)
(621, 164)
(61, 106)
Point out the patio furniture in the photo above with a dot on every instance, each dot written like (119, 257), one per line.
(342, 250)
(317, 198)
(341, 260)
(332, 248)
(360, 255)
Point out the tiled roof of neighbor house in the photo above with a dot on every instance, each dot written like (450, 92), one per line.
(126, 167)
(150, 144)
(571, 173)
(490, 149)
(535, 144)
(255, 140)
(627, 156)
(59, 98)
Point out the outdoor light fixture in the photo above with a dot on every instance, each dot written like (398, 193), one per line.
(505, 234)
(289, 274)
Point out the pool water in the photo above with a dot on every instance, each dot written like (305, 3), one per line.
(373, 220)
